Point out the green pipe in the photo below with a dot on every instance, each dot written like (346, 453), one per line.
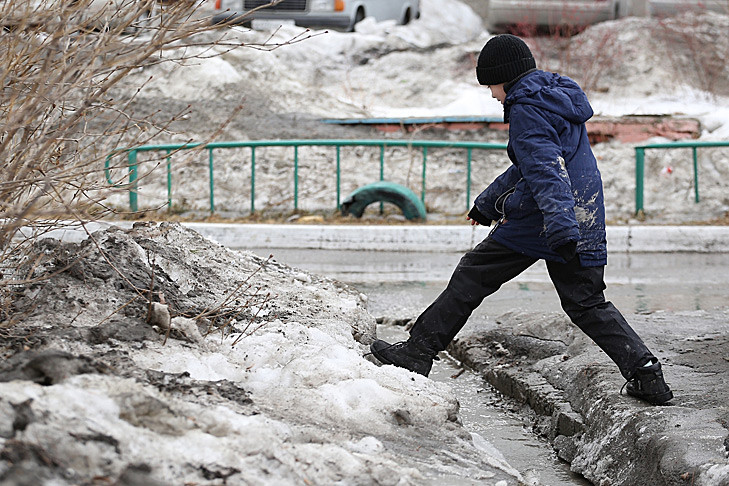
(296, 177)
(253, 180)
(339, 179)
(695, 143)
(422, 182)
(210, 164)
(696, 176)
(389, 143)
(132, 161)
(468, 178)
(639, 170)
(382, 172)
(107, 165)
(169, 182)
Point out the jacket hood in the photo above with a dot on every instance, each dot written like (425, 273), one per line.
(551, 92)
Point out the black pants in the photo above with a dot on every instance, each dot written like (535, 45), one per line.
(484, 269)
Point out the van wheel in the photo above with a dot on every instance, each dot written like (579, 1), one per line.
(358, 17)
(406, 18)
(142, 22)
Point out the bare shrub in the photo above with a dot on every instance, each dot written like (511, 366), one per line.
(697, 45)
(59, 63)
(643, 53)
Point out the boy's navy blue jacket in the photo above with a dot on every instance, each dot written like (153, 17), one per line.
(557, 195)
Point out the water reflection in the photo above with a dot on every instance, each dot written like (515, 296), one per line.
(637, 282)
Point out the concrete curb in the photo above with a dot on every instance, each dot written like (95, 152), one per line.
(427, 238)
(541, 361)
(448, 238)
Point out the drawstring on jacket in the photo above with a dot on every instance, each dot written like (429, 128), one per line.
(500, 206)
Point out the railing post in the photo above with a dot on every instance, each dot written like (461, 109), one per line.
(132, 163)
(382, 172)
(253, 179)
(468, 179)
(696, 176)
(339, 178)
(639, 172)
(422, 184)
(296, 177)
(169, 182)
(210, 164)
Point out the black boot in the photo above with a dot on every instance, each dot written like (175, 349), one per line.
(648, 384)
(406, 354)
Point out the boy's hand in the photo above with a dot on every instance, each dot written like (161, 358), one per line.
(475, 217)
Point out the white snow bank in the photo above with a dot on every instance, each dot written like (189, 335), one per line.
(318, 374)
(425, 68)
(295, 401)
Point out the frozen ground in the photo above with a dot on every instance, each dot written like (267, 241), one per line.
(247, 371)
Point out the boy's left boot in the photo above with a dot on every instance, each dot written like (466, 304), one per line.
(407, 354)
(648, 384)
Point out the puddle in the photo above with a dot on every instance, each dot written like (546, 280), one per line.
(636, 283)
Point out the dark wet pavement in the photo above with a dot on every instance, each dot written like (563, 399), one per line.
(636, 283)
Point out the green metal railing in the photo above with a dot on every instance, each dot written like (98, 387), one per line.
(640, 165)
(170, 149)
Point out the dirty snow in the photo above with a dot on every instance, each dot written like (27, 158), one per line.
(277, 392)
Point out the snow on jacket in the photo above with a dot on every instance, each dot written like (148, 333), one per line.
(552, 194)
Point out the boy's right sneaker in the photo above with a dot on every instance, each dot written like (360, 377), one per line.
(648, 384)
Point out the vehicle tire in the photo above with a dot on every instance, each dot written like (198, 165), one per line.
(384, 191)
(358, 17)
(142, 23)
(406, 18)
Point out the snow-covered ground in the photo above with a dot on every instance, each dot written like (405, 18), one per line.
(633, 66)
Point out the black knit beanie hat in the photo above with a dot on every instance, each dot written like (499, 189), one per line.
(504, 58)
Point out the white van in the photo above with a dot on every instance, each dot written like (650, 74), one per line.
(503, 14)
(337, 14)
(573, 15)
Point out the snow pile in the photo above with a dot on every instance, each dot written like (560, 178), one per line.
(320, 74)
(642, 66)
(277, 393)
(629, 66)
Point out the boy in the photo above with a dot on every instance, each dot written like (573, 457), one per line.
(547, 205)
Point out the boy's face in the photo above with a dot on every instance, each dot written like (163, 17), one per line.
(497, 91)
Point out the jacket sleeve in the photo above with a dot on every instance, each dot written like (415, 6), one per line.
(486, 201)
(538, 151)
